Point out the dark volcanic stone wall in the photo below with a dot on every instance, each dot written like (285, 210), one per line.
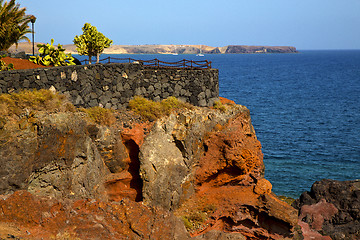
(113, 85)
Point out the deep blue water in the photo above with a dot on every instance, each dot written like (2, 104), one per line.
(305, 109)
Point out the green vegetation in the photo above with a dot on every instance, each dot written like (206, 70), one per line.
(13, 24)
(218, 105)
(32, 100)
(286, 199)
(49, 55)
(4, 66)
(151, 110)
(100, 115)
(91, 42)
(197, 217)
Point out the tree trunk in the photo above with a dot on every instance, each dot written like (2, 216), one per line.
(89, 59)
(97, 58)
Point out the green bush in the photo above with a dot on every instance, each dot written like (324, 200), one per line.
(151, 110)
(49, 55)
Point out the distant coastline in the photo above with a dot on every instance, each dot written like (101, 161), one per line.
(172, 49)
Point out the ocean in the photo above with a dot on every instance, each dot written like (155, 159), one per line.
(304, 107)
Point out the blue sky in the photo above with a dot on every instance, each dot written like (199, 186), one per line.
(305, 24)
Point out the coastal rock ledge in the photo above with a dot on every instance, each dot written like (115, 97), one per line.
(196, 174)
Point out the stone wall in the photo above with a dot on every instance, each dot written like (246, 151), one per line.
(113, 85)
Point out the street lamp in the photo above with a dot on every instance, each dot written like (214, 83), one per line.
(33, 19)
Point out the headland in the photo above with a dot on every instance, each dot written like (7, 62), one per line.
(172, 49)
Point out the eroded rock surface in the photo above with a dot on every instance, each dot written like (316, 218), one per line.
(25, 216)
(51, 155)
(130, 180)
(331, 209)
(207, 166)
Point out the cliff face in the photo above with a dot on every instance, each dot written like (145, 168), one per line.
(63, 176)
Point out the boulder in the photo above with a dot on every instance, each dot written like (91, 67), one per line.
(331, 208)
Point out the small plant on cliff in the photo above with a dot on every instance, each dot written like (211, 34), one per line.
(151, 110)
(218, 105)
(4, 66)
(195, 218)
(49, 55)
(91, 42)
(100, 115)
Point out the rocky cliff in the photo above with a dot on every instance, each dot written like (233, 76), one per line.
(196, 174)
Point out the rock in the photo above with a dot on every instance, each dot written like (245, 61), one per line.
(218, 235)
(170, 151)
(48, 218)
(331, 208)
(263, 186)
(226, 101)
(207, 167)
(57, 158)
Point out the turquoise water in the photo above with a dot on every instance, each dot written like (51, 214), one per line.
(304, 107)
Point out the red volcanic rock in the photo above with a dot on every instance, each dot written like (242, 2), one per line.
(232, 156)
(46, 218)
(263, 186)
(316, 214)
(121, 155)
(231, 194)
(118, 186)
(226, 101)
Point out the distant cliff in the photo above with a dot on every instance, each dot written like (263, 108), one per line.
(171, 49)
(259, 49)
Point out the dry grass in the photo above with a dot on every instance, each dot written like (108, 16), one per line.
(151, 110)
(33, 100)
(100, 115)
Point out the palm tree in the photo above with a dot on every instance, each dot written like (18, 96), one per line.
(13, 24)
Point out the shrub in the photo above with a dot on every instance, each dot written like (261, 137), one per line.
(151, 110)
(49, 55)
(100, 115)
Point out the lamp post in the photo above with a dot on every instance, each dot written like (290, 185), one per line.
(33, 19)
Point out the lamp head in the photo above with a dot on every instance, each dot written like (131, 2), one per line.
(32, 19)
